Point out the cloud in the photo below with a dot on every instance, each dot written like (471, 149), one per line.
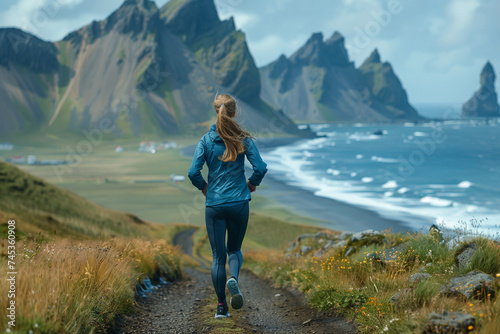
(461, 16)
(34, 15)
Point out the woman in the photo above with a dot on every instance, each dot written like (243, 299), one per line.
(227, 193)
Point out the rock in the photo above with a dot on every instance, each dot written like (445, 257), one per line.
(312, 236)
(449, 322)
(484, 103)
(292, 247)
(436, 233)
(305, 249)
(349, 251)
(345, 235)
(464, 255)
(401, 296)
(415, 278)
(388, 255)
(365, 234)
(473, 285)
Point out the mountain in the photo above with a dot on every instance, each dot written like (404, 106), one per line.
(319, 83)
(484, 102)
(28, 66)
(142, 70)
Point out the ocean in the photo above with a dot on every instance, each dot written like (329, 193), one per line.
(439, 171)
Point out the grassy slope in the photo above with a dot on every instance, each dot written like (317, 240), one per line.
(36, 204)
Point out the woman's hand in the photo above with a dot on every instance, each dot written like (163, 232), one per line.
(204, 191)
(251, 187)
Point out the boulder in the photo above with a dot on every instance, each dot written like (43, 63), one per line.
(464, 255)
(345, 235)
(415, 278)
(365, 235)
(401, 296)
(449, 322)
(292, 247)
(365, 238)
(388, 255)
(313, 236)
(473, 285)
(305, 249)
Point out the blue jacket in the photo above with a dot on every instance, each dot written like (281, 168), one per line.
(226, 180)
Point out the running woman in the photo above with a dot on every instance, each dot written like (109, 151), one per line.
(227, 193)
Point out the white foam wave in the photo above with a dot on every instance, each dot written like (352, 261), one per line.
(390, 184)
(403, 190)
(420, 134)
(361, 137)
(465, 184)
(333, 171)
(434, 201)
(385, 160)
(367, 179)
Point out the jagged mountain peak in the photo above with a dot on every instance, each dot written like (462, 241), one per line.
(337, 36)
(484, 102)
(191, 19)
(374, 58)
(143, 4)
(487, 75)
(19, 47)
(322, 54)
(133, 16)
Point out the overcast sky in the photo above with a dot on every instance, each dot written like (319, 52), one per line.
(437, 48)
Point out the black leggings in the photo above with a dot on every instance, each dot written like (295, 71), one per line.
(234, 219)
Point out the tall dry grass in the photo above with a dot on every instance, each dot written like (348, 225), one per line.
(79, 287)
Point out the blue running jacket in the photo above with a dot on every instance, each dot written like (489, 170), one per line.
(226, 180)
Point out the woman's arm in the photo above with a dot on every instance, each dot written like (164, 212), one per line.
(194, 172)
(259, 166)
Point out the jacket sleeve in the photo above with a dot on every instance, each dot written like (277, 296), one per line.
(199, 159)
(259, 166)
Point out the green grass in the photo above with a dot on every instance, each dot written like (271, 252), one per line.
(486, 258)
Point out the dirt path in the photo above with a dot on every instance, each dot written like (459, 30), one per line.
(188, 306)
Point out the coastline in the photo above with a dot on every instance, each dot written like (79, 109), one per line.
(330, 213)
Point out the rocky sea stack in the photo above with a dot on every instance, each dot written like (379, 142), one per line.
(484, 103)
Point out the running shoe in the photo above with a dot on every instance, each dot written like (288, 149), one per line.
(236, 296)
(222, 311)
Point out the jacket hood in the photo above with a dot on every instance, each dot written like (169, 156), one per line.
(213, 133)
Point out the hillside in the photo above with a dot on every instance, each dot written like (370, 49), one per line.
(142, 70)
(38, 206)
(319, 83)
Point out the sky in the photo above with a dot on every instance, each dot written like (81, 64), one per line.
(437, 48)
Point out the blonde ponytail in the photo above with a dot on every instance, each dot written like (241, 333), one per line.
(228, 129)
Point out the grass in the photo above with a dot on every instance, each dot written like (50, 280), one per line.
(73, 286)
(361, 289)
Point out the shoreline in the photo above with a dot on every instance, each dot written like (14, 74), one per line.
(332, 214)
(335, 214)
